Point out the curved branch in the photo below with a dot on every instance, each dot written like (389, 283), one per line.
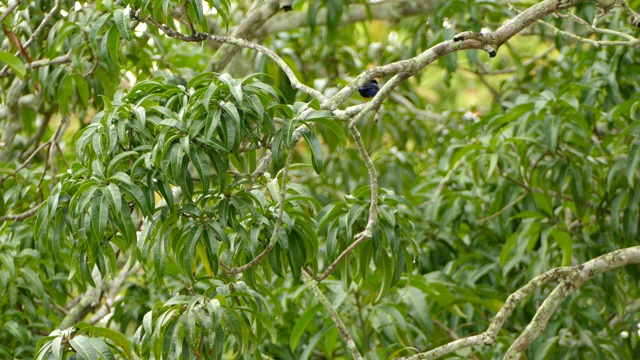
(577, 276)
(571, 279)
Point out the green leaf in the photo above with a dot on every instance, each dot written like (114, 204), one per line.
(112, 193)
(199, 160)
(231, 109)
(563, 239)
(34, 283)
(83, 347)
(190, 249)
(99, 215)
(632, 162)
(311, 344)
(118, 339)
(116, 161)
(109, 46)
(123, 22)
(42, 222)
(300, 326)
(288, 128)
(385, 268)
(133, 191)
(235, 89)
(333, 126)
(97, 25)
(14, 63)
(317, 159)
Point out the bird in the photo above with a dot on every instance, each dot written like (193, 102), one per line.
(369, 89)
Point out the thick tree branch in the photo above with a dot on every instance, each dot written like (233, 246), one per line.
(86, 302)
(576, 277)
(32, 101)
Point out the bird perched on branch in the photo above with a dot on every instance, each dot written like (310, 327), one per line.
(369, 89)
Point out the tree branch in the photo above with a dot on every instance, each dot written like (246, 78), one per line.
(276, 229)
(237, 43)
(35, 34)
(246, 30)
(571, 279)
(114, 288)
(9, 9)
(333, 314)
(576, 277)
(22, 216)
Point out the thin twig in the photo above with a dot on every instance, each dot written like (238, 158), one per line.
(504, 209)
(571, 279)
(276, 228)
(11, 7)
(114, 289)
(199, 37)
(22, 216)
(333, 314)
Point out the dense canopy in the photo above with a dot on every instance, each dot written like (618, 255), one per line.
(202, 179)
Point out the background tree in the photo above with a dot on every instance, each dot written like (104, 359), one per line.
(197, 179)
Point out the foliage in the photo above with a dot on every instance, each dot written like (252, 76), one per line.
(183, 203)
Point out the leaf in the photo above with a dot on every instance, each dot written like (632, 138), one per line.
(124, 223)
(233, 111)
(14, 63)
(93, 34)
(83, 347)
(34, 283)
(235, 89)
(112, 193)
(123, 22)
(109, 47)
(99, 215)
(117, 159)
(317, 159)
(118, 339)
(386, 270)
(563, 239)
(42, 222)
(288, 128)
(133, 191)
(632, 162)
(199, 160)
(333, 126)
(311, 344)
(190, 249)
(301, 324)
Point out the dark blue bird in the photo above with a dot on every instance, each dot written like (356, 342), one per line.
(369, 89)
